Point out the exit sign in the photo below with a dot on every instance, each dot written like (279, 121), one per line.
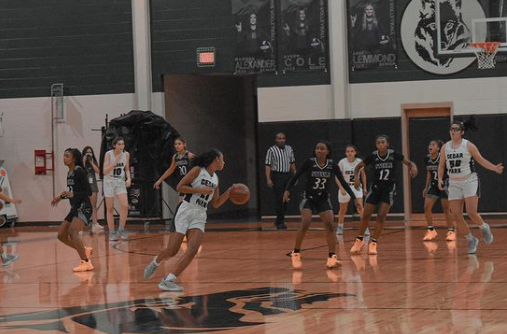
(206, 57)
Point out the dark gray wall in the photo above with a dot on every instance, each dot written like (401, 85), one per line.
(86, 45)
(491, 139)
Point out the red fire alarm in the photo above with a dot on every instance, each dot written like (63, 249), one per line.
(40, 157)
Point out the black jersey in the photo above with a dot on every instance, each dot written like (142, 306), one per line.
(182, 162)
(319, 178)
(432, 167)
(78, 184)
(385, 167)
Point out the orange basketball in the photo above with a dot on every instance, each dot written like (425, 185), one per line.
(240, 194)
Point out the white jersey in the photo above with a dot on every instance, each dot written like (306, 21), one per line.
(347, 169)
(203, 180)
(118, 172)
(459, 161)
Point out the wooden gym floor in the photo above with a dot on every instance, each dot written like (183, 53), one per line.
(242, 282)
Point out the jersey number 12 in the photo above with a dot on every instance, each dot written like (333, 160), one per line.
(384, 175)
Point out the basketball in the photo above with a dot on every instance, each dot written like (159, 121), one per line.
(240, 194)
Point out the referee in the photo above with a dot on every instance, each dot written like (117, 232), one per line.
(280, 166)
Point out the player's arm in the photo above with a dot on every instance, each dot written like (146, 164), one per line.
(341, 179)
(293, 180)
(9, 199)
(412, 167)
(428, 178)
(338, 183)
(483, 161)
(219, 200)
(96, 168)
(441, 168)
(167, 173)
(128, 182)
(108, 164)
(359, 166)
(185, 184)
(364, 180)
(269, 158)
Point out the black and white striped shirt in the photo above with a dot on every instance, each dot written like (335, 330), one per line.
(280, 159)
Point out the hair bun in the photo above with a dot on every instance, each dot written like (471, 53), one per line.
(470, 124)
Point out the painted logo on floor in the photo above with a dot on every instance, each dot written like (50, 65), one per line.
(172, 314)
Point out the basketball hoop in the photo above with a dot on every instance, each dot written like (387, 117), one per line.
(485, 52)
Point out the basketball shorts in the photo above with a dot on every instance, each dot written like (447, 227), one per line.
(189, 216)
(461, 189)
(346, 198)
(381, 194)
(435, 192)
(114, 187)
(84, 213)
(317, 204)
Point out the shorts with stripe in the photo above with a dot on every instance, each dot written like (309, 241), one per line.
(317, 204)
(435, 192)
(84, 213)
(381, 194)
(461, 189)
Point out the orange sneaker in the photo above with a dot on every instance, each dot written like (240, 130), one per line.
(372, 248)
(296, 260)
(89, 252)
(451, 236)
(333, 262)
(358, 245)
(83, 266)
(430, 235)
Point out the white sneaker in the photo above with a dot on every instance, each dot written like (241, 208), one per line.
(97, 228)
(167, 285)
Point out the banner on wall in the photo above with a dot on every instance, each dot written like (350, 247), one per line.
(303, 28)
(255, 26)
(372, 34)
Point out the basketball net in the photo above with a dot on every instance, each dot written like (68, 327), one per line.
(485, 53)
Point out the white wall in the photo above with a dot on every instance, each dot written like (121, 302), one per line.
(295, 103)
(27, 124)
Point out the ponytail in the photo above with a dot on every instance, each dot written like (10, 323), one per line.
(469, 125)
(207, 158)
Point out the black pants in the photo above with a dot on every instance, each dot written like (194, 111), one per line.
(280, 181)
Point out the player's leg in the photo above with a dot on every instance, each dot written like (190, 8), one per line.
(110, 216)
(327, 218)
(451, 235)
(306, 220)
(471, 204)
(429, 202)
(124, 206)
(341, 216)
(75, 227)
(365, 221)
(383, 210)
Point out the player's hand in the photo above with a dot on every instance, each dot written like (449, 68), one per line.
(356, 183)
(425, 191)
(499, 168)
(157, 184)
(16, 201)
(343, 192)
(365, 191)
(413, 171)
(128, 183)
(440, 184)
(270, 183)
(55, 201)
(206, 191)
(286, 196)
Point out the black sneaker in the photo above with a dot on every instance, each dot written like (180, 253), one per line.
(281, 226)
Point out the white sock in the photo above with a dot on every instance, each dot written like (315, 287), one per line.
(155, 261)
(170, 277)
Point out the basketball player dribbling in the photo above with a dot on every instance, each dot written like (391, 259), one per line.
(200, 187)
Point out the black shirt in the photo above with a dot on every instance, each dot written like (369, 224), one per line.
(182, 164)
(385, 167)
(77, 182)
(319, 178)
(432, 167)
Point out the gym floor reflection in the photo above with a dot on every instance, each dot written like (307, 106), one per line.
(242, 282)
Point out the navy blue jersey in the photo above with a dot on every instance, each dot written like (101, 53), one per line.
(319, 178)
(432, 167)
(385, 167)
(77, 183)
(182, 164)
